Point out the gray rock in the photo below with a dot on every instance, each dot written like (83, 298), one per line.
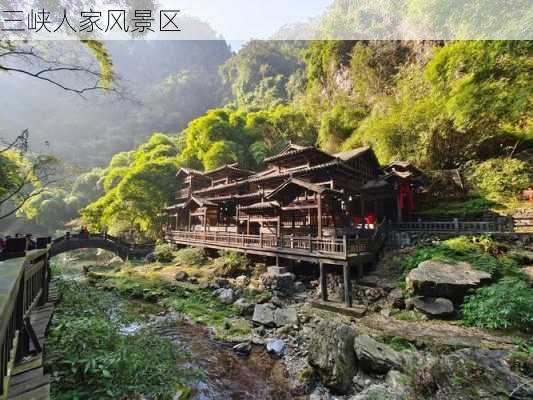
(397, 382)
(374, 392)
(181, 276)
(264, 314)
(285, 316)
(275, 347)
(433, 307)
(280, 283)
(441, 279)
(331, 355)
(270, 316)
(244, 307)
(220, 283)
(376, 357)
(226, 296)
(243, 348)
(498, 379)
(299, 286)
(150, 258)
(274, 270)
(320, 393)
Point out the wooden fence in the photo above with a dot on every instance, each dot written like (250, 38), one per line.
(452, 226)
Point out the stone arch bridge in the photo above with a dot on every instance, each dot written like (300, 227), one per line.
(103, 241)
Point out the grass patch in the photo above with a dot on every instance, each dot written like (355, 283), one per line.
(198, 304)
(90, 359)
(472, 207)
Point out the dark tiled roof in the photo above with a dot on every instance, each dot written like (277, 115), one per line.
(294, 150)
(348, 155)
(261, 205)
(307, 185)
(232, 167)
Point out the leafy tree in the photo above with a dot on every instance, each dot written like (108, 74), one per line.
(486, 89)
(259, 73)
(139, 191)
(500, 179)
(24, 176)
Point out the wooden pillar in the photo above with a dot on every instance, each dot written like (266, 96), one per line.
(347, 285)
(189, 226)
(360, 269)
(205, 219)
(398, 209)
(319, 215)
(248, 226)
(323, 283)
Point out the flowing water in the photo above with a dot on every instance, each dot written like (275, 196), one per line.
(225, 375)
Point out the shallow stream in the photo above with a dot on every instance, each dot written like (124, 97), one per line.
(224, 374)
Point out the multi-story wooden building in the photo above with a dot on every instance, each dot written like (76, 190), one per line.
(306, 205)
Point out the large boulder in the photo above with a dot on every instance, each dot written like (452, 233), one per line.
(442, 279)
(332, 356)
(376, 357)
(433, 306)
(486, 373)
(278, 283)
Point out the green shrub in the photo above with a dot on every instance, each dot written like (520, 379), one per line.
(190, 256)
(472, 207)
(231, 263)
(500, 179)
(164, 253)
(506, 304)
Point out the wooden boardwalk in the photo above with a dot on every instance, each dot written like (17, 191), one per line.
(28, 379)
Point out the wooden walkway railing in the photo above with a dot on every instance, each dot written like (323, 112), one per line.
(451, 226)
(368, 242)
(24, 284)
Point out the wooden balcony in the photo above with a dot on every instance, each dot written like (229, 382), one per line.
(307, 248)
(183, 193)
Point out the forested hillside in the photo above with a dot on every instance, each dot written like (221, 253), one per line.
(457, 105)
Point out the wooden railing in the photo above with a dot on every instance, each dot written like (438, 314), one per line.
(337, 247)
(451, 226)
(23, 285)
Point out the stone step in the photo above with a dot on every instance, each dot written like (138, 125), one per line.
(275, 270)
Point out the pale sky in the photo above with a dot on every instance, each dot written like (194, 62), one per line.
(239, 20)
